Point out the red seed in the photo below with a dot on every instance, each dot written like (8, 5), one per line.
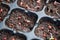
(1, 10)
(38, 1)
(8, 0)
(21, 3)
(19, 17)
(19, 23)
(49, 26)
(0, 19)
(4, 38)
(44, 35)
(55, 38)
(13, 38)
(42, 28)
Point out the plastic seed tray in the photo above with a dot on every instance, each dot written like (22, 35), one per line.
(29, 20)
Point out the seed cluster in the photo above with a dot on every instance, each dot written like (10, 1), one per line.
(20, 21)
(32, 5)
(9, 35)
(3, 11)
